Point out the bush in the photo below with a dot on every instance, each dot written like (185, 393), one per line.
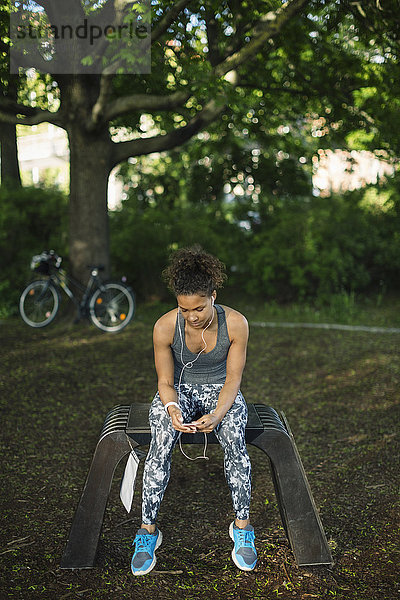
(289, 249)
(325, 246)
(142, 239)
(284, 249)
(32, 219)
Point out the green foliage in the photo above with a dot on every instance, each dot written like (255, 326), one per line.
(282, 247)
(32, 219)
(329, 78)
(142, 238)
(278, 245)
(323, 246)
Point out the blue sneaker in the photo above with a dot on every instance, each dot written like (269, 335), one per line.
(144, 558)
(244, 554)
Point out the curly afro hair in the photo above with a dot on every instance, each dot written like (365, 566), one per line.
(194, 271)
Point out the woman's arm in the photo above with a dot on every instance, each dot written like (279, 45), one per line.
(235, 362)
(164, 363)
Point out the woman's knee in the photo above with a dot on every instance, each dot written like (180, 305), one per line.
(233, 427)
(237, 414)
(163, 439)
(232, 442)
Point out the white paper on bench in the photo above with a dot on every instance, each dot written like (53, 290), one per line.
(128, 481)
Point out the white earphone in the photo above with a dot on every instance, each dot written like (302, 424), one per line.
(189, 365)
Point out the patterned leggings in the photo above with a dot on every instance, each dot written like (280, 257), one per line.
(194, 400)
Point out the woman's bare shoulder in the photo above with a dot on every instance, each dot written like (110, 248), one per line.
(236, 322)
(164, 327)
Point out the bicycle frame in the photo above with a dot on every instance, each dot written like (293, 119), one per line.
(60, 278)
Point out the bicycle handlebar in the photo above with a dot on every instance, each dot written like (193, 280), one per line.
(47, 256)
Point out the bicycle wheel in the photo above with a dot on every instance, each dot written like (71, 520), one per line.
(112, 308)
(39, 303)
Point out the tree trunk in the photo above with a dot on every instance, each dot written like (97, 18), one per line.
(9, 155)
(8, 141)
(89, 231)
(90, 166)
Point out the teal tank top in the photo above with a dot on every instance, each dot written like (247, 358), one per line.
(210, 367)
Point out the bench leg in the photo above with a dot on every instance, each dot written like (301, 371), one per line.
(80, 552)
(298, 511)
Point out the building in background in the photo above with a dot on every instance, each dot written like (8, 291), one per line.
(337, 171)
(43, 156)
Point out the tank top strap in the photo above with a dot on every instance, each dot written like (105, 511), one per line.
(178, 323)
(223, 335)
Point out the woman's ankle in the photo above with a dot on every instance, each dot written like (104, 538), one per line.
(150, 528)
(242, 523)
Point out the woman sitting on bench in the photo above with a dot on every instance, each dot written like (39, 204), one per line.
(200, 353)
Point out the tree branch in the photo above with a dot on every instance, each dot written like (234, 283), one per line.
(12, 108)
(160, 143)
(143, 102)
(112, 13)
(241, 26)
(41, 116)
(102, 99)
(214, 54)
(267, 27)
(168, 19)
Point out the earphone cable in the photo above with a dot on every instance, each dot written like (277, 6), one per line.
(196, 457)
(189, 365)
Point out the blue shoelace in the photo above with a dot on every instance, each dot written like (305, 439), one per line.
(246, 538)
(143, 543)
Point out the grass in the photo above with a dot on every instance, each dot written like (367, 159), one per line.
(340, 393)
(343, 308)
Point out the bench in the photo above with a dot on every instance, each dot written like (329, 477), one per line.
(127, 427)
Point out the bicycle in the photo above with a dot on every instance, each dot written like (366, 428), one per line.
(109, 305)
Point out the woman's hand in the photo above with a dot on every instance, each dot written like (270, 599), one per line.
(177, 421)
(207, 423)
